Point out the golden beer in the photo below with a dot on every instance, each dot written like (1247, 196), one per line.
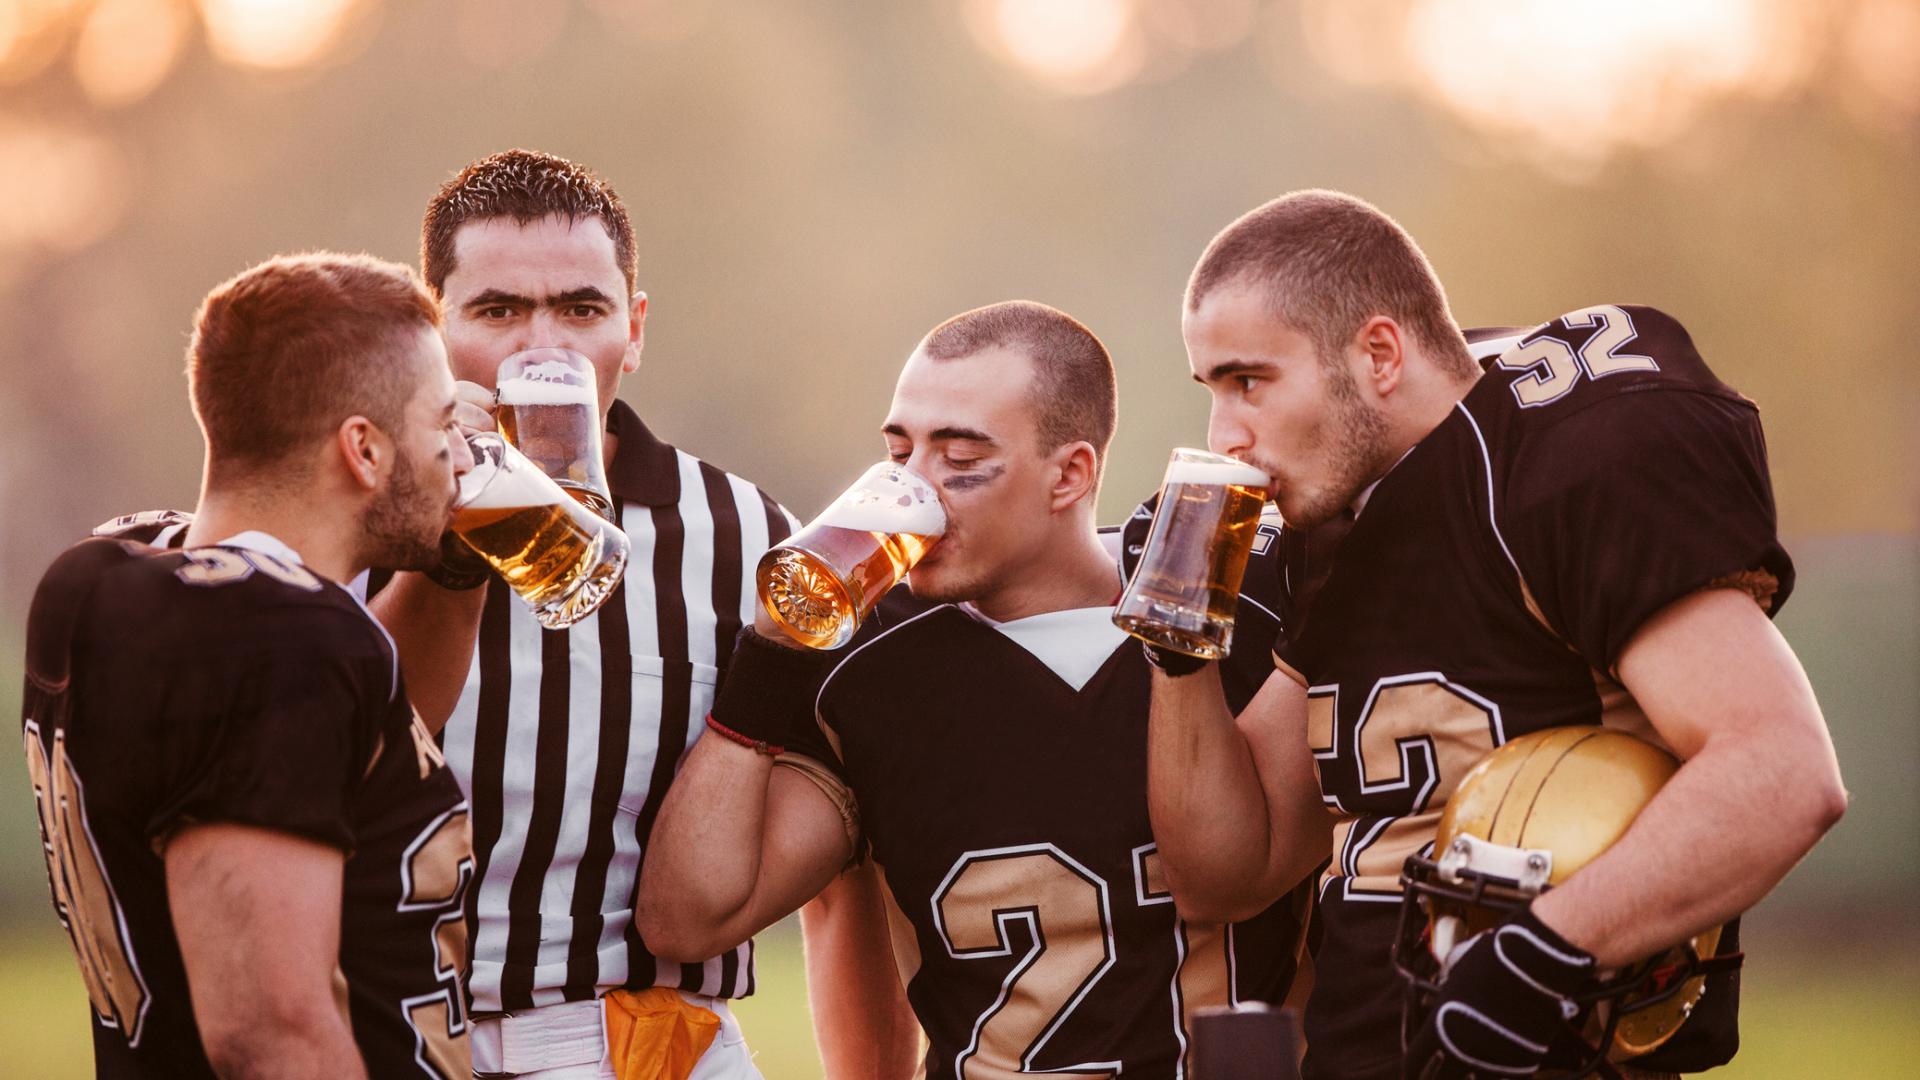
(1185, 590)
(820, 583)
(558, 556)
(549, 409)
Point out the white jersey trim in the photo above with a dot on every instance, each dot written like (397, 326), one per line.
(1074, 643)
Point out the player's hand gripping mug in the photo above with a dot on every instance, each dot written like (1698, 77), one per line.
(819, 583)
(1184, 592)
(549, 409)
(563, 559)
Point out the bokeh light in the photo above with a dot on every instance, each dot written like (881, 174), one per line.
(1074, 46)
(1570, 83)
(127, 47)
(1567, 84)
(32, 32)
(63, 187)
(275, 33)
(1882, 52)
(1583, 77)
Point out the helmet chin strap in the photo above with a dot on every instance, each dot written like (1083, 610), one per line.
(1447, 941)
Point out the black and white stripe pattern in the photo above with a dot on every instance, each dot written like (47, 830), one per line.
(566, 741)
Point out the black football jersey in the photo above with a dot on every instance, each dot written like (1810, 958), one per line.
(1005, 807)
(223, 684)
(1486, 588)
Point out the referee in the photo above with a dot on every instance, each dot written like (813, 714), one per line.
(566, 740)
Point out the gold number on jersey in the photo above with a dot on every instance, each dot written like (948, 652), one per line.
(82, 894)
(224, 566)
(1417, 734)
(985, 894)
(434, 875)
(1555, 367)
(1205, 975)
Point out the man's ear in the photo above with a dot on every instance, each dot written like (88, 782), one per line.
(364, 449)
(1381, 345)
(1076, 475)
(636, 332)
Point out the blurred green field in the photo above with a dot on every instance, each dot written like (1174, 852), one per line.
(1852, 1018)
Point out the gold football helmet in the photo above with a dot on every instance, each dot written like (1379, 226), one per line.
(1527, 817)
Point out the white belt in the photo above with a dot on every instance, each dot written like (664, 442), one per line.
(556, 1036)
(549, 1037)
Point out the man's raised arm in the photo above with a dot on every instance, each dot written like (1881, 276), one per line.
(1235, 802)
(433, 629)
(740, 844)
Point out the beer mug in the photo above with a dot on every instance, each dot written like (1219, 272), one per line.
(1184, 592)
(819, 583)
(549, 409)
(560, 557)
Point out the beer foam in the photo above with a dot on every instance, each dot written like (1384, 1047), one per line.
(489, 490)
(1217, 473)
(888, 499)
(530, 389)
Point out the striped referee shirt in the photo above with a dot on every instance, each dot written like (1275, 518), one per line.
(566, 740)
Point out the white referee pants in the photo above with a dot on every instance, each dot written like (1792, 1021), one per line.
(568, 1041)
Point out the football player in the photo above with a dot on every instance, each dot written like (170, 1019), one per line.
(255, 846)
(1583, 535)
(988, 755)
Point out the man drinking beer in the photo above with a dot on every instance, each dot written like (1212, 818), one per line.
(1582, 534)
(255, 846)
(566, 739)
(988, 755)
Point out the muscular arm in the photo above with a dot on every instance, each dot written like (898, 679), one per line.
(434, 630)
(1235, 803)
(1758, 787)
(738, 845)
(257, 913)
(861, 1019)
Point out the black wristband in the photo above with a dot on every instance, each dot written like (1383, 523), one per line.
(1172, 663)
(460, 567)
(770, 689)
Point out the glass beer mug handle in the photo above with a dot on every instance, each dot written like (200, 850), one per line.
(1183, 592)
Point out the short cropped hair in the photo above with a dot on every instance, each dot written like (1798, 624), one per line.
(524, 185)
(286, 351)
(1073, 375)
(1331, 262)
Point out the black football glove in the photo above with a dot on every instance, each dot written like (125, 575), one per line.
(1501, 1004)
